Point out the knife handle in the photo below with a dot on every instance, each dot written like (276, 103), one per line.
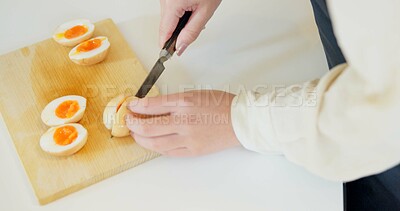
(171, 42)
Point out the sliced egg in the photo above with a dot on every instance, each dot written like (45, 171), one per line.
(111, 109)
(114, 115)
(91, 51)
(64, 140)
(74, 32)
(64, 110)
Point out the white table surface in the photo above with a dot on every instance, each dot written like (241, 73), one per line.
(247, 43)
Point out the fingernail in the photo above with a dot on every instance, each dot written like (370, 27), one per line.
(181, 49)
(132, 103)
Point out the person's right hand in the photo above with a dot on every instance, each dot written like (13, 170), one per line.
(172, 10)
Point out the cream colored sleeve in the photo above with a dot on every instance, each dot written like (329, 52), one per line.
(345, 125)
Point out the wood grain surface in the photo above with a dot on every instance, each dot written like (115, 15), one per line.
(33, 76)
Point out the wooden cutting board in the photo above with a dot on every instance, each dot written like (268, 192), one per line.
(33, 76)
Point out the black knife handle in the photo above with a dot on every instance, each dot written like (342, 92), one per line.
(171, 42)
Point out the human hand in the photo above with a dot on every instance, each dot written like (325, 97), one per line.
(192, 123)
(172, 10)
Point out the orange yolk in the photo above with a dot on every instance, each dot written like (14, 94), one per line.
(75, 31)
(89, 45)
(120, 104)
(67, 109)
(65, 135)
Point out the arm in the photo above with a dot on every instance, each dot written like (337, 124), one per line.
(350, 130)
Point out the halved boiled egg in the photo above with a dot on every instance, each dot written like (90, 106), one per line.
(91, 51)
(64, 140)
(114, 115)
(64, 110)
(74, 32)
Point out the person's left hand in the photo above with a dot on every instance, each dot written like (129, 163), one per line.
(192, 123)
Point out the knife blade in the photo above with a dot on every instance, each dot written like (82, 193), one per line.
(166, 52)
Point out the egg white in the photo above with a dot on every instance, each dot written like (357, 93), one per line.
(93, 56)
(110, 111)
(114, 120)
(48, 144)
(119, 128)
(50, 118)
(74, 41)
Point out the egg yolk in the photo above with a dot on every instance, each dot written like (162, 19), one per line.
(67, 109)
(120, 104)
(75, 31)
(89, 45)
(65, 135)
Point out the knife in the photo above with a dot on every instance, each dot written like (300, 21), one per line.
(166, 52)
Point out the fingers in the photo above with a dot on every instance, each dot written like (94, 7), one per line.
(155, 105)
(159, 144)
(151, 127)
(170, 14)
(192, 29)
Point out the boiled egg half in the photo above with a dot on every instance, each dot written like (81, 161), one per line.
(64, 140)
(91, 51)
(74, 32)
(66, 109)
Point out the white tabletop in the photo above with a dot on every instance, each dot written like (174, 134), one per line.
(247, 43)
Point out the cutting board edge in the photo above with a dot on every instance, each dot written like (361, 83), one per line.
(75, 188)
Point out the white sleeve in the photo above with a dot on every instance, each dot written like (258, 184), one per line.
(345, 125)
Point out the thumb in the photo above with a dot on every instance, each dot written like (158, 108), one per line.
(158, 105)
